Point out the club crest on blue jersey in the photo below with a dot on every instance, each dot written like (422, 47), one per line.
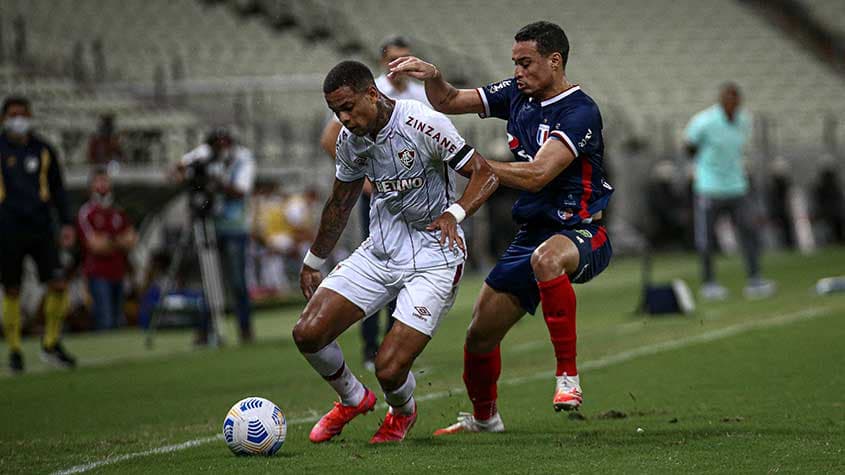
(406, 158)
(543, 134)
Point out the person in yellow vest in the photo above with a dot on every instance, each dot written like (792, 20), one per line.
(31, 187)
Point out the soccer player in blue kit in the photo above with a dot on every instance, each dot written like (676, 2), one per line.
(555, 134)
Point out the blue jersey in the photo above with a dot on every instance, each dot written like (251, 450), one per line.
(572, 117)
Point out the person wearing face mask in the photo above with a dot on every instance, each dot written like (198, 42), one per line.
(31, 188)
(232, 168)
(106, 236)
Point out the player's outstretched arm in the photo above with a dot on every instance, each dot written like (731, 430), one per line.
(552, 158)
(482, 183)
(332, 223)
(443, 96)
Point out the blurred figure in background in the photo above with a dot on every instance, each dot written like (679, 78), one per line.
(668, 206)
(232, 168)
(394, 87)
(31, 189)
(830, 203)
(715, 138)
(106, 237)
(104, 146)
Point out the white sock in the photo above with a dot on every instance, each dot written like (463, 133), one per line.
(401, 399)
(329, 363)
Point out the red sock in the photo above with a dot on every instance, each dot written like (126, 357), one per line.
(558, 299)
(481, 371)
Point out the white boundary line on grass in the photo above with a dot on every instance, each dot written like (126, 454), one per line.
(604, 362)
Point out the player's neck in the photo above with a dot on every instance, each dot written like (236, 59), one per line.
(384, 109)
(557, 88)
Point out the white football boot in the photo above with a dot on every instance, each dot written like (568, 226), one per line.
(468, 423)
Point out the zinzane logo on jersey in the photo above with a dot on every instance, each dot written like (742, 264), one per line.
(401, 184)
(543, 134)
(406, 158)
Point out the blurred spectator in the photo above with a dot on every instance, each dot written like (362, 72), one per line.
(715, 137)
(107, 236)
(104, 146)
(830, 203)
(779, 210)
(402, 87)
(232, 167)
(669, 223)
(31, 192)
(267, 269)
(283, 227)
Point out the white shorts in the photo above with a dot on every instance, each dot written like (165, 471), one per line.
(422, 297)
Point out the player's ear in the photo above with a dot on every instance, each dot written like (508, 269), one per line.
(556, 61)
(372, 93)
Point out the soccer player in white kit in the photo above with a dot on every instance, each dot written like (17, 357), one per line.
(415, 252)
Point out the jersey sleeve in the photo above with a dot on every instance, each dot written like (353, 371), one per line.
(694, 132)
(244, 176)
(347, 169)
(57, 187)
(578, 129)
(442, 140)
(83, 223)
(497, 98)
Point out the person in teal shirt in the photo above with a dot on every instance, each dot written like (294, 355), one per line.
(715, 138)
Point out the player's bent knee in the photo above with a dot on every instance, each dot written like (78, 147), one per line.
(308, 335)
(480, 341)
(391, 374)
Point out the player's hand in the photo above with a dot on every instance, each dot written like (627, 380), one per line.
(413, 67)
(309, 280)
(67, 236)
(448, 226)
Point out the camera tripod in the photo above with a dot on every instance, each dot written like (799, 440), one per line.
(201, 231)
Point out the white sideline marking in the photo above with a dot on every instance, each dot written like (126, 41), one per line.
(604, 362)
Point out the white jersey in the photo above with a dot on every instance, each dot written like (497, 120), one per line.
(411, 166)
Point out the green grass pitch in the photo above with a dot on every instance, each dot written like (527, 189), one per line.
(741, 386)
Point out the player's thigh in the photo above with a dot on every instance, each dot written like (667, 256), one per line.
(11, 261)
(555, 256)
(44, 250)
(593, 250)
(426, 298)
(326, 316)
(354, 290)
(494, 314)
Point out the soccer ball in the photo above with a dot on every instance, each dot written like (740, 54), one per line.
(254, 426)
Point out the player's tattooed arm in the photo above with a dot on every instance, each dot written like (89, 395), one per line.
(335, 215)
(552, 158)
(443, 96)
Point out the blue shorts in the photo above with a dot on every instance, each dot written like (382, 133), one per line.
(513, 273)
